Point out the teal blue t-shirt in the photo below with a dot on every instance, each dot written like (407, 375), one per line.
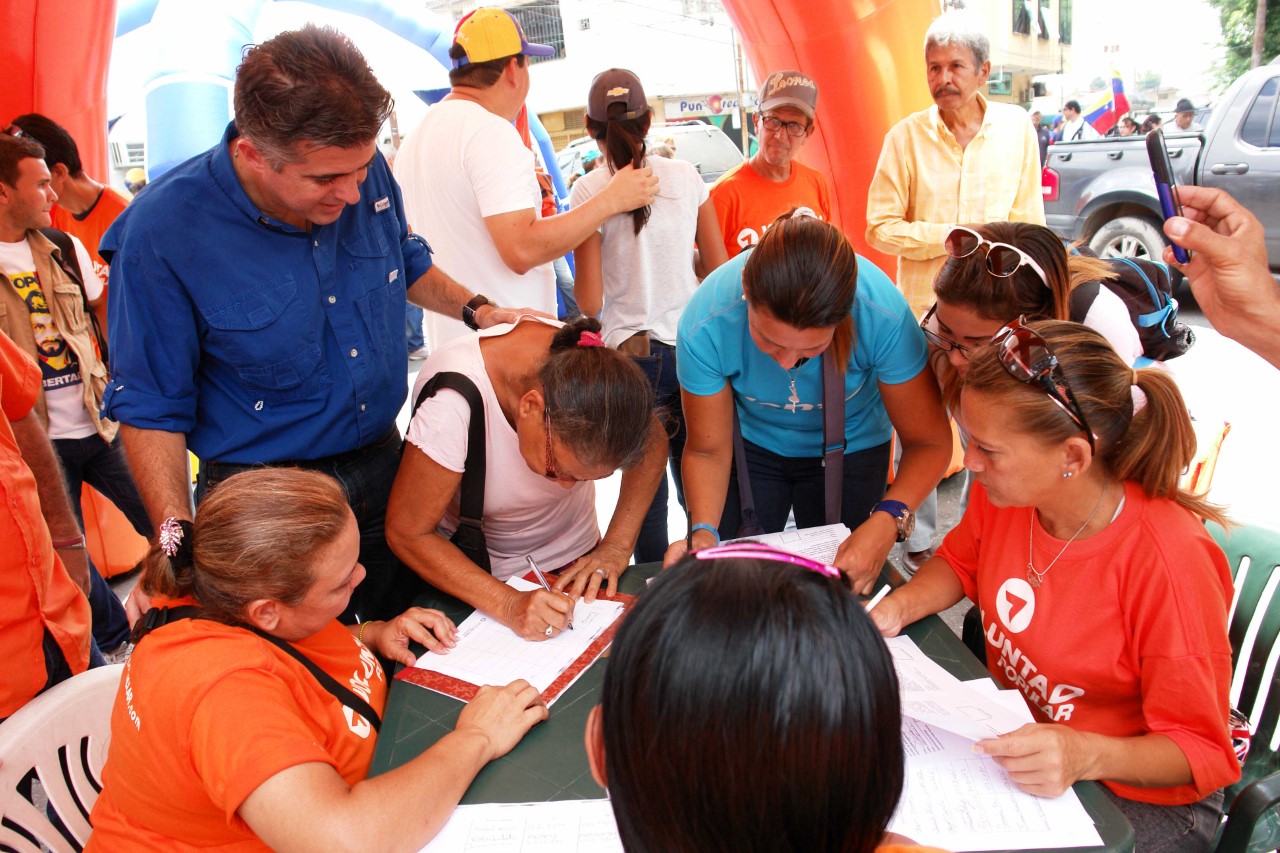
(715, 346)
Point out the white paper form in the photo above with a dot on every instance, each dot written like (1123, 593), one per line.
(564, 826)
(489, 652)
(933, 695)
(816, 543)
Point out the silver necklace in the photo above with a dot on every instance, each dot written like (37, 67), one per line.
(794, 400)
(1036, 577)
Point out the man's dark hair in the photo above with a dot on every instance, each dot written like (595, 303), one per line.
(1071, 105)
(59, 147)
(13, 150)
(479, 75)
(309, 86)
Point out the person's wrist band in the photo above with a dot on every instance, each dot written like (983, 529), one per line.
(360, 633)
(702, 526)
(74, 543)
(469, 311)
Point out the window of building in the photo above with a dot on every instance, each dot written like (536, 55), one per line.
(1042, 20)
(1021, 18)
(1064, 21)
(542, 25)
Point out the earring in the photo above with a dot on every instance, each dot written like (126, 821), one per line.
(1066, 474)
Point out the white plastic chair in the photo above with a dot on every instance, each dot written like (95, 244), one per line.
(63, 735)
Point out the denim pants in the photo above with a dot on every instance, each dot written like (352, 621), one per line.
(782, 484)
(366, 474)
(413, 327)
(104, 466)
(660, 369)
(1171, 829)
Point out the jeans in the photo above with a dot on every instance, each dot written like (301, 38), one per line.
(660, 369)
(104, 466)
(1171, 829)
(782, 484)
(389, 587)
(413, 327)
(564, 284)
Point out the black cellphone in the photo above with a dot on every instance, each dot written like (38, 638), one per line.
(1166, 187)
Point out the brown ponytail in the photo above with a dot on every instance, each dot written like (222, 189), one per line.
(623, 140)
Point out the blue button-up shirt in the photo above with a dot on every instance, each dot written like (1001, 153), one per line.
(259, 341)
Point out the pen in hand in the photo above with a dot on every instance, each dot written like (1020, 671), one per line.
(879, 596)
(542, 579)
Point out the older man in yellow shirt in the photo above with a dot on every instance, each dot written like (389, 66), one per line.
(963, 160)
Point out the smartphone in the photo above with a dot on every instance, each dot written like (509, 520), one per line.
(1166, 187)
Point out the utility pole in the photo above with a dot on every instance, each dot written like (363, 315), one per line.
(742, 106)
(1259, 34)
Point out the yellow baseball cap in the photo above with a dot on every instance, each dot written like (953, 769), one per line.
(489, 33)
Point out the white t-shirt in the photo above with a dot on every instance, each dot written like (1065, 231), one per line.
(461, 164)
(648, 277)
(1108, 317)
(1086, 130)
(524, 512)
(63, 385)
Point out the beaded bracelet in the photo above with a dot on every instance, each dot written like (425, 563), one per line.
(360, 633)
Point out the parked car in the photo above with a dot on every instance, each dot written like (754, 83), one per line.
(1101, 191)
(704, 145)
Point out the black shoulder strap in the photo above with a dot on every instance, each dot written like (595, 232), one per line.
(1081, 300)
(339, 691)
(157, 616)
(70, 263)
(469, 537)
(833, 441)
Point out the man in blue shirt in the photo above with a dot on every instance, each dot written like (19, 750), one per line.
(257, 299)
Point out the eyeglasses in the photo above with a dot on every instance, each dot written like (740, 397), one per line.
(758, 551)
(1027, 357)
(1003, 260)
(794, 128)
(944, 344)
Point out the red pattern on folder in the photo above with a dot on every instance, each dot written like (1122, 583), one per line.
(466, 691)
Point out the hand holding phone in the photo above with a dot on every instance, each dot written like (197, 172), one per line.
(1166, 187)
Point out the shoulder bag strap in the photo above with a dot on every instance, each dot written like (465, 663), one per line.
(469, 537)
(71, 266)
(748, 522)
(339, 691)
(833, 441)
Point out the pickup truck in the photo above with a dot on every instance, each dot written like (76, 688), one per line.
(1101, 191)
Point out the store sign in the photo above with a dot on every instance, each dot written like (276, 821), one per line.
(702, 106)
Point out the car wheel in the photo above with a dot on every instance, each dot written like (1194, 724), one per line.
(1129, 237)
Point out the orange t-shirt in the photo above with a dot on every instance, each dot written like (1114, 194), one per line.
(206, 713)
(92, 224)
(35, 590)
(746, 202)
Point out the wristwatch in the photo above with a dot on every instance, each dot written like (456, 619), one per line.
(902, 515)
(469, 310)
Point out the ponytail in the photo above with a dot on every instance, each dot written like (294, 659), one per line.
(623, 143)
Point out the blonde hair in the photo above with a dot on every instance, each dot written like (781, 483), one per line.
(254, 537)
(1151, 447)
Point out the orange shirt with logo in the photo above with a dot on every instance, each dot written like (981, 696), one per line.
(206, 713)
(746, 202)
(35, 590)
(1127, 635)
(92, 224)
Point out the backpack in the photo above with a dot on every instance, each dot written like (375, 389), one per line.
(1145, 289)
(70, 264)
(469, 537)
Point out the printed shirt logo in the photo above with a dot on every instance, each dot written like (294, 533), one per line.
(368, 671)
(57, 361)
(795, 80)
(618, 91)
(381, 204)
(1015, 605)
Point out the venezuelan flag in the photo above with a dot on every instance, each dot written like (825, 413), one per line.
(1106, 111)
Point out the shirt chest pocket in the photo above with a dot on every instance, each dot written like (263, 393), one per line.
(269, 337)
(379, 278)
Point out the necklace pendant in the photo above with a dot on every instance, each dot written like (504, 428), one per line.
(1033, 578)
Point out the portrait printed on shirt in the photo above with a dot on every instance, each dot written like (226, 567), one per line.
(57, 361)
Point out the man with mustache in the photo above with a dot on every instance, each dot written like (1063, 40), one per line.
(963, 160)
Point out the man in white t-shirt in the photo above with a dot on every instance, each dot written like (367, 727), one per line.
(468, 178)
(46, 312)
(1076, 128)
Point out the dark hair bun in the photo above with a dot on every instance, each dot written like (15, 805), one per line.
(567, 337)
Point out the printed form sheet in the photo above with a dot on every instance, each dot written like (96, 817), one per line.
(816, 543)
(489, 652)
(564, 826)
(955, 798)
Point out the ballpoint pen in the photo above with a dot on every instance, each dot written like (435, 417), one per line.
(879, 596)
(542, 579)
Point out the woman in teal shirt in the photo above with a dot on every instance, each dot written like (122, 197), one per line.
(753, 339)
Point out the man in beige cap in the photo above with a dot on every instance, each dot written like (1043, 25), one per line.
(469, 184)
(751, 195)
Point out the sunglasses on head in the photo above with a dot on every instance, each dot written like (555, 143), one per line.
(1027, 357)
(760, 551)
(1003, 260)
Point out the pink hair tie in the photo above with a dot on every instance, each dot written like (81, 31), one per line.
(590, 339)
(1139, 398)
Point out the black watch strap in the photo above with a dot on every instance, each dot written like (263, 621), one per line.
(469, 310)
